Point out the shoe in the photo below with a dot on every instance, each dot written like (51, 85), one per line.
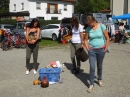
(90, 88)
(34, 71)
(77, 70)
(100, 83)
(27, 72)
(73, 71)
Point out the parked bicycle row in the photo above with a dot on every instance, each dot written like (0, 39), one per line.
(10, 40)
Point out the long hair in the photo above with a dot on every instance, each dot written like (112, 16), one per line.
(32, 23)
(90, 19)
(75, 22)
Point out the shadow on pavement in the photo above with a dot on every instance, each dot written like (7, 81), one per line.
(84, 77)
(31, 66)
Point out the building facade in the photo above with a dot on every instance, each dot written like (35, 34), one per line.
(44, 9)
(120, 7)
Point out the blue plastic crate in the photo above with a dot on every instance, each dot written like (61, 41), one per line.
(52, 74)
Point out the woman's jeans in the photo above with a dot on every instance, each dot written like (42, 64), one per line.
(73, 48)
(96, 55)
(32, 48)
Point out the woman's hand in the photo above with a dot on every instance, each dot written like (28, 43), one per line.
(82, 45)
(31, 41)
(105, 50)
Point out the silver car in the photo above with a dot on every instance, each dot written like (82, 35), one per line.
(19, 28)
(6, 26)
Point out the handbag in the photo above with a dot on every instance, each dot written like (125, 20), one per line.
(81, 54)
(108, 50)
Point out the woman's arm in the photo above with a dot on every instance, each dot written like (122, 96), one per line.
(38, 34)
(82, 39)
(27, 32)
(86, 41)
(107, 39)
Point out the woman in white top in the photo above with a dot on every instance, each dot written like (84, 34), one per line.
(76, 43)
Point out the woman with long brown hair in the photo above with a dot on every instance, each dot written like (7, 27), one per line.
(97, 46)
(32, 37)
(76, 43)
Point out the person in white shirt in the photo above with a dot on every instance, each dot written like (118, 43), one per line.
(76, 43)
(111, 28)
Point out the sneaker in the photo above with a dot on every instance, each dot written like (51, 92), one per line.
(34, 71)
(90, 88)
(100, 83)
(77, 70)
(27, 72)
(73, 71)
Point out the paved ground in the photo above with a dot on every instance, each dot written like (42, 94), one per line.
(14, 82)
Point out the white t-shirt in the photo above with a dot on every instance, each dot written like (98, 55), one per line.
(76, 34)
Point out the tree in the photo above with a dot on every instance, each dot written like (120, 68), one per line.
(4, 6)
(91, 6)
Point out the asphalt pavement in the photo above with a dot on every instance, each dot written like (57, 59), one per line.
(116, 74)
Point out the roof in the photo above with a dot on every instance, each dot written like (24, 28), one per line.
(15, 14)
(6, 24)
(105, 11)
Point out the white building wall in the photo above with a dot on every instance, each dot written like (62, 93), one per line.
(118, 7)
(18, 5)
(37, 12)
(31, 7)
(128, 6)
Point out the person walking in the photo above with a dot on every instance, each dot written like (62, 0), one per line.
(76, 43)
(32, 37)
(96, 47)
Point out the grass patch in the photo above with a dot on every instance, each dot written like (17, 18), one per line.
(48, 43)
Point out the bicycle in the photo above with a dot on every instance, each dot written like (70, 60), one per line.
(7, 42)
(20, 41)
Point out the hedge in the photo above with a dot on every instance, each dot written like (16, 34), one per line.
(42, 22)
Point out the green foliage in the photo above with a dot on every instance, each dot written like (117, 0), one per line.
(8, 21)
(45, 22)
(42, 22)
(4, 6)
(91, 6)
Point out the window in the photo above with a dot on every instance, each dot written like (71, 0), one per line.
(54, 26)
(46, 27)
(20, 26)
(65, 7)
(22, 6)
(38, 5)
(40, 18)
(54, 18)
(14, 7)
(52, 8)
(8, 27)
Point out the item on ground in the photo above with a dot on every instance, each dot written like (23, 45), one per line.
(52, 74)
(53, 64)
(36, 82)
(44, 82)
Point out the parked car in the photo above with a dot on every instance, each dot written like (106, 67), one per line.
(65, 22)
(19, 27)
(50, 31)
(6, 26)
